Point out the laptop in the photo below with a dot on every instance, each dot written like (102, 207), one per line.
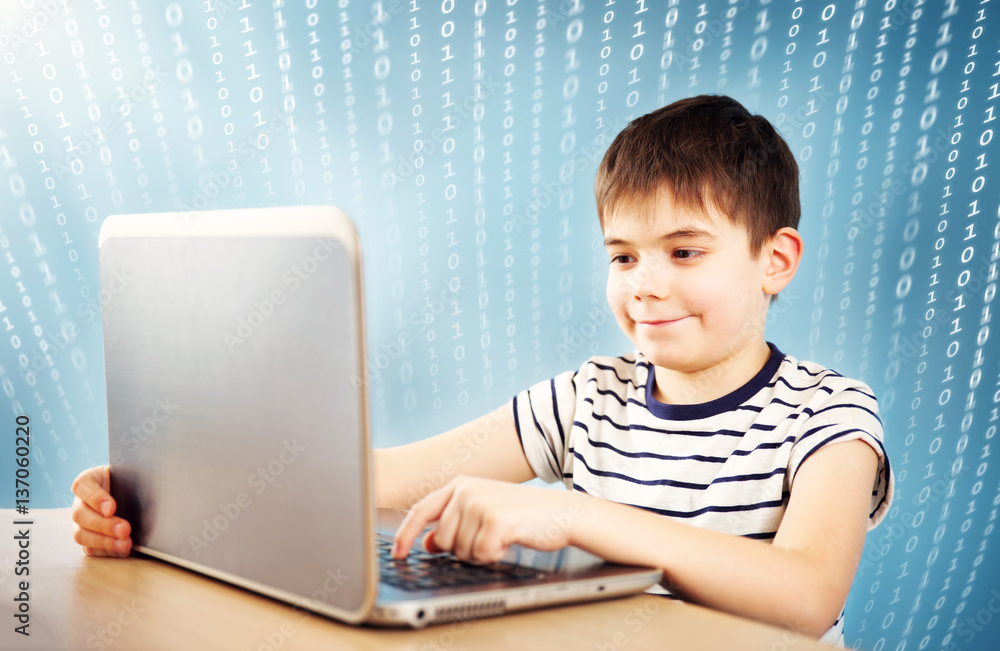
(238, 425)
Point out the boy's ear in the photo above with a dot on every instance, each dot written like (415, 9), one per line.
(783, 253)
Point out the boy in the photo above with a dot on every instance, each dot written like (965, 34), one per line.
(706, 451)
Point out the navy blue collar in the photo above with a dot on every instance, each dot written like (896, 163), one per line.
(728, 402)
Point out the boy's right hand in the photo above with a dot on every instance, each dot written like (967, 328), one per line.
(97, 529)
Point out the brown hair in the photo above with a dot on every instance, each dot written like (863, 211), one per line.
(706, 150)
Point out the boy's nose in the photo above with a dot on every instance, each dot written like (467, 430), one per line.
(649, 282)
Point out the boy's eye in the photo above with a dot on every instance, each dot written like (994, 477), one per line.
(686, 254)
(621, 258)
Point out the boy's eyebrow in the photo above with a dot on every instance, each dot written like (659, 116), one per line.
(682, 233)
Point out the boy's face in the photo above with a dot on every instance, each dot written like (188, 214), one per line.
(683, 286)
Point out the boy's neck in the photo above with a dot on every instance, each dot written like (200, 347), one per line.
(720, 379)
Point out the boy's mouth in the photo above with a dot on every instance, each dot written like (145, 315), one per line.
(660, 322)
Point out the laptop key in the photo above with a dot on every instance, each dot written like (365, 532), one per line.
(423, 571)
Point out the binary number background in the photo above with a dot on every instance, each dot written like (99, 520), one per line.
(463, 137)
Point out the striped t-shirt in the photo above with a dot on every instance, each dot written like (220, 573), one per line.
(727, 465)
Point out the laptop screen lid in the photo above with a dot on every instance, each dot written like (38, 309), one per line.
(238, 432)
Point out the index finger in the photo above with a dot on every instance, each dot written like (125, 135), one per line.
(421, 514)
(92, 486)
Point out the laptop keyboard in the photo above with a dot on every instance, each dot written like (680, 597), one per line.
(423, 571)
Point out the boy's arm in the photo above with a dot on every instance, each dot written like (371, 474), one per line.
(800, 580)
(485, 447)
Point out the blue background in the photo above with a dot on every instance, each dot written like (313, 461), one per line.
(463, 139)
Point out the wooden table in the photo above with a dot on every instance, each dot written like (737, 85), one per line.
(76, 602)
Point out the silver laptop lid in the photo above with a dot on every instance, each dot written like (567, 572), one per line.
(238, 429)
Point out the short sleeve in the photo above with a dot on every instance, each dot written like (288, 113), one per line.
(543, 417)
(847, 413)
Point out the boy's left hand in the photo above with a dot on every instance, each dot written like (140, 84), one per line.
(479, 519)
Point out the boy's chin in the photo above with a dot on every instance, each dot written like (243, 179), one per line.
(676, 361)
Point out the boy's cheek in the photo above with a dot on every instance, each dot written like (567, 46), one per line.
(618, 290)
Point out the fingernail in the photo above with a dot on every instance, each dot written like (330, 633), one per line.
(119, 530)
(120, 545)
(106, 507)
